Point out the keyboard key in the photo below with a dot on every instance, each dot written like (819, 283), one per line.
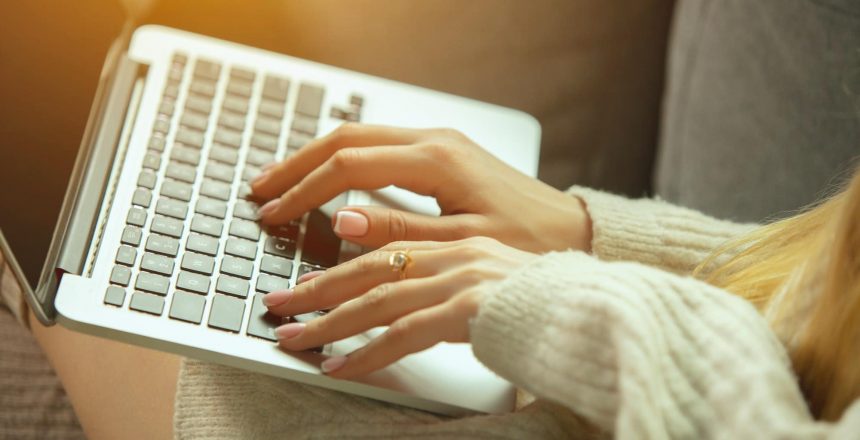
(202, 244)
(207, 225)
(189, 137)
(201, 105)
(167, 107)
(306, 268)
(277, 266)
(289, 231)
(224, 154)
(240, 88)
(218, 190)
(276, 88)
(298, 140)
(157, 264)
(172, 208)
(268, 125)
(218, 171)
(198, 263)
(161, 125)
(120, 275)
(115, 296)
(269, 283)
(228, 137)
(259, 157)
(193, 282)
(156, 143)
(152, 160)
(245, 209)
(146, 179)
(142, 197)
(244, 191)
(167, 226)
(212, 208)
(226, 313)
(305, 125)
(126, 255)
(144, 302)
(261, 323)
(264, 141)
(237, 267)
(131, 236)
(176, 190)
(236, 104)
(241, 248)
(203, 87)
(187, 307)
(178, 171)
(194, 120)
(280, 247)
(151, 282)
(232, 286)
(207, 69)
(309, 101)
(274, 109)
(162, 245)
(249, 173)
(185, 154)
(171, 91)
(136, 216)
(243, 74)
(245, 229)
(232, 121)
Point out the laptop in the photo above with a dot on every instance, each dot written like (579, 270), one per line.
(157, 244)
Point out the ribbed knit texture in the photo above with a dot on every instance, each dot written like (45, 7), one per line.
(636, 351)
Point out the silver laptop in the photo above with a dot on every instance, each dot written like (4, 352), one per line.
(156, 244)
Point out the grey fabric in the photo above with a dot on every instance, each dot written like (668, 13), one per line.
(33, 404)
(763, 104)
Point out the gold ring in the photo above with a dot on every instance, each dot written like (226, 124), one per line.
(399, 262)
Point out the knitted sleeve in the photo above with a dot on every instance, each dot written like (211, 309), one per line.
(643, 353)
(653, 232)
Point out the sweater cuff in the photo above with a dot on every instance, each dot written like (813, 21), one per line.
(652, 232)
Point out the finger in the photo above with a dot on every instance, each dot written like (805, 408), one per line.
(284, 175)
(351, 279)
(374, 226)
(381, 305)
(410, 334)
(355, 168)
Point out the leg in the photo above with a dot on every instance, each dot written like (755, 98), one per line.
(117, 390)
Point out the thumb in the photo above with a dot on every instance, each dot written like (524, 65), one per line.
(374, 226)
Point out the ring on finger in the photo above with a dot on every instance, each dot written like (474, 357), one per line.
(400, 262)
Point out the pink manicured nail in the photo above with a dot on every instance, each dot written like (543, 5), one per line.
(332, 364)
(350, 224)
(309, 276)
(289, 331)
(269, 207)
(277, 298)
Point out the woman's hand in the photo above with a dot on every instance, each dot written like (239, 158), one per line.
(441, 292)
(479, 195)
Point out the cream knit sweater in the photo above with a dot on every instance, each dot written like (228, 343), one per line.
(622, 344)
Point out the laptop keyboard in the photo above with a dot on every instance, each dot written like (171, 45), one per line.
(191, 248)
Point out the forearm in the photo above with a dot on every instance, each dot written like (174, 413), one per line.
(636, 350)
(653, 232)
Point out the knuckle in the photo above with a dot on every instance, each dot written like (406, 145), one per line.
(439, 151)
(470, 274)
(395, 245)
(399, 330)
(345, 158)
(346, 131)
(368, 262)
(378, 296)
(397, 226)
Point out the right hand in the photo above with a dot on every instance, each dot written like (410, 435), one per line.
(477, 193)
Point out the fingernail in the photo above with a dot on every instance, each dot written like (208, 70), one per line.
(289, 331)
(332, 364)
(350, 224)
(309, 276)
(277, 298)
(264, 172)
(269, 207)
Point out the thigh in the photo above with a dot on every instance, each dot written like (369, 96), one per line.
(117, 390)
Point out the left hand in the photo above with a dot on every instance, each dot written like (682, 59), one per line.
(441, 292)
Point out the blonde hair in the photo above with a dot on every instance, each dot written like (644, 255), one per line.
(807, 266)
